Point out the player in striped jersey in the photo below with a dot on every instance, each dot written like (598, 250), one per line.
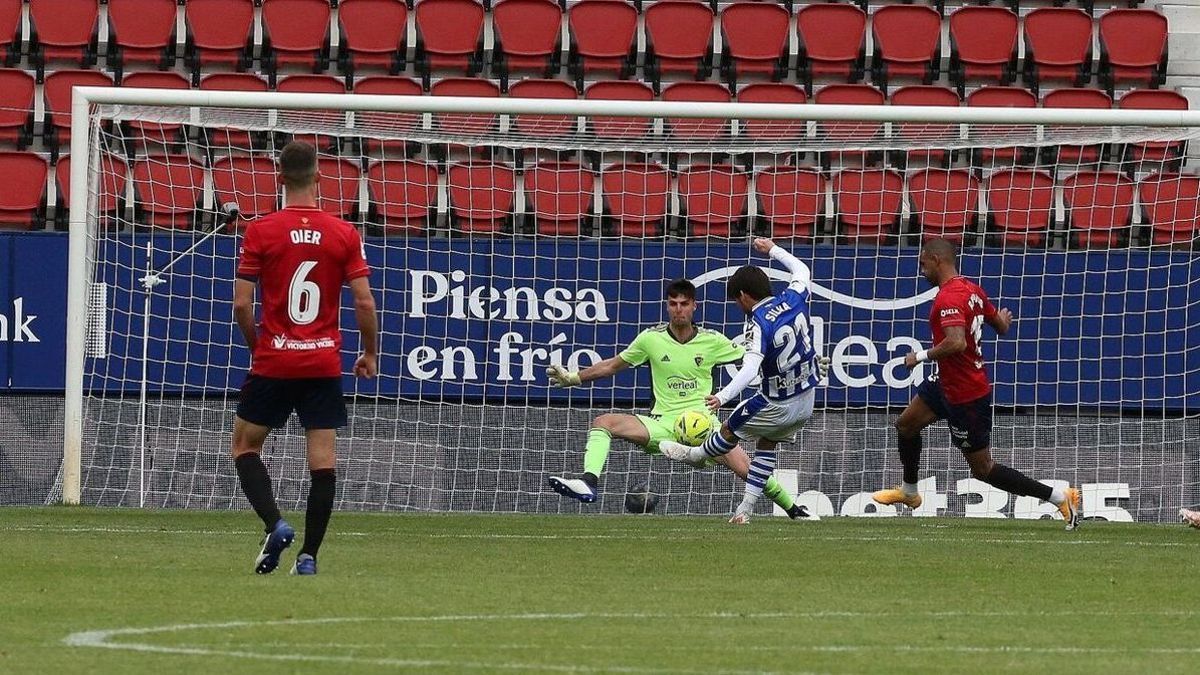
(681, 356)
(779, 346)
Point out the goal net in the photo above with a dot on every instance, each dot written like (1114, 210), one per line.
(511, 234)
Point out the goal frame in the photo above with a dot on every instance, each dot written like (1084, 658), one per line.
(85, 98)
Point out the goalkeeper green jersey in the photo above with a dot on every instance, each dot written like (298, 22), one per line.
(681, 373)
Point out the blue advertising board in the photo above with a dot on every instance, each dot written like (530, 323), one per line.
(481, 319)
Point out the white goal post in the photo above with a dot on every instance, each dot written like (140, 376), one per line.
(1160, 416)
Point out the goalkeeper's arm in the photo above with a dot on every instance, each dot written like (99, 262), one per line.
(561, 377)
(799, 271)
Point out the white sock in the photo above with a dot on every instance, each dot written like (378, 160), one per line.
(748, 502)
(1058, 496)
(908, 488)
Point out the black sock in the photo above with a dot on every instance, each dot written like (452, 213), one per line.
(320, 506)
(1014, 482)
(910, 457)
(592, 480)
(256, 483)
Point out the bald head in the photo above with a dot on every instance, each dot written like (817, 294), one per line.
(939, 261)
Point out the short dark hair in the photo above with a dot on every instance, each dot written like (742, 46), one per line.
(681, 286)
(298, 165)
(749, 280)
(943, 249)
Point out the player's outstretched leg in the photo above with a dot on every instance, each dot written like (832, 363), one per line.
(739, 463)
(721, 443)
(1014, 482)
(586, 487)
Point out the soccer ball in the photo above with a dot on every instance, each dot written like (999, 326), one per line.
(640, 499)
(692, 427)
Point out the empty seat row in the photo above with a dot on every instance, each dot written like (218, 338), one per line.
(640, 200)
(603, 39)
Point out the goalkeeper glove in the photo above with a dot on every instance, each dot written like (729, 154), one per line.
(561, 377)
(822, 367)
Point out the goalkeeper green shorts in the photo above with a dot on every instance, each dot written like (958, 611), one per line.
(662, 428)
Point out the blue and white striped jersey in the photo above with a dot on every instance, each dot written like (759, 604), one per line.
(778, 327)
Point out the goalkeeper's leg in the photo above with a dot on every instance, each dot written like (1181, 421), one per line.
(604, 428)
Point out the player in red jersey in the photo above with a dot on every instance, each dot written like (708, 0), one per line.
(960, 391)
(300, 257)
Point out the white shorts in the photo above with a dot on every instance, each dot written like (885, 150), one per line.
(757, 417)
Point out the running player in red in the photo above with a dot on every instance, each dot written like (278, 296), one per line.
(300, 256)
(960, 391)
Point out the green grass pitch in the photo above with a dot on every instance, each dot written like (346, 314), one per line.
(87, 590)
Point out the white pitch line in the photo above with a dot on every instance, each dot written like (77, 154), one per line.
(102, 639)
(631, 535)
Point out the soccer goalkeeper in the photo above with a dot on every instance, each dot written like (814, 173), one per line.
(682, 357)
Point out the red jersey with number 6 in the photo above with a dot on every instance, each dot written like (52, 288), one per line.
(961, 302)
(300, 258)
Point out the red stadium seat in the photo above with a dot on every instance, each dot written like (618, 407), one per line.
(619, 127)
(319, 84)
(944, 203)
(1016, 137)
(1099, 208)
(528, 38)
(678, 39)
(449, 37)
(142, 32)
(908, 43)
(168, 191)
(337, 191)
(916, 132)
(544, 126)
(1154, 99)
(295, 33)
(466, 122)
(10, 31)
(142, 131)
(983, 46)
(773, 92)
(558, 197)
(63, 31)
(23, 199)
(791, 201)
(16, 107)
(249, 182)
(110, 197)
(1058, 46)
(1021, 206)
(832, 43)
(229, 137)
(1133, 47)
(868, 204)
(755, 41)
(603, 38)
(635, 199)
(481, 197)
(1171, 206)
(388, 122)
(373, 34)
(848, 133)
(403, 194)
(1076, 98)
(713, 199)
(220, 32)
(57, 91)
(700, 129)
